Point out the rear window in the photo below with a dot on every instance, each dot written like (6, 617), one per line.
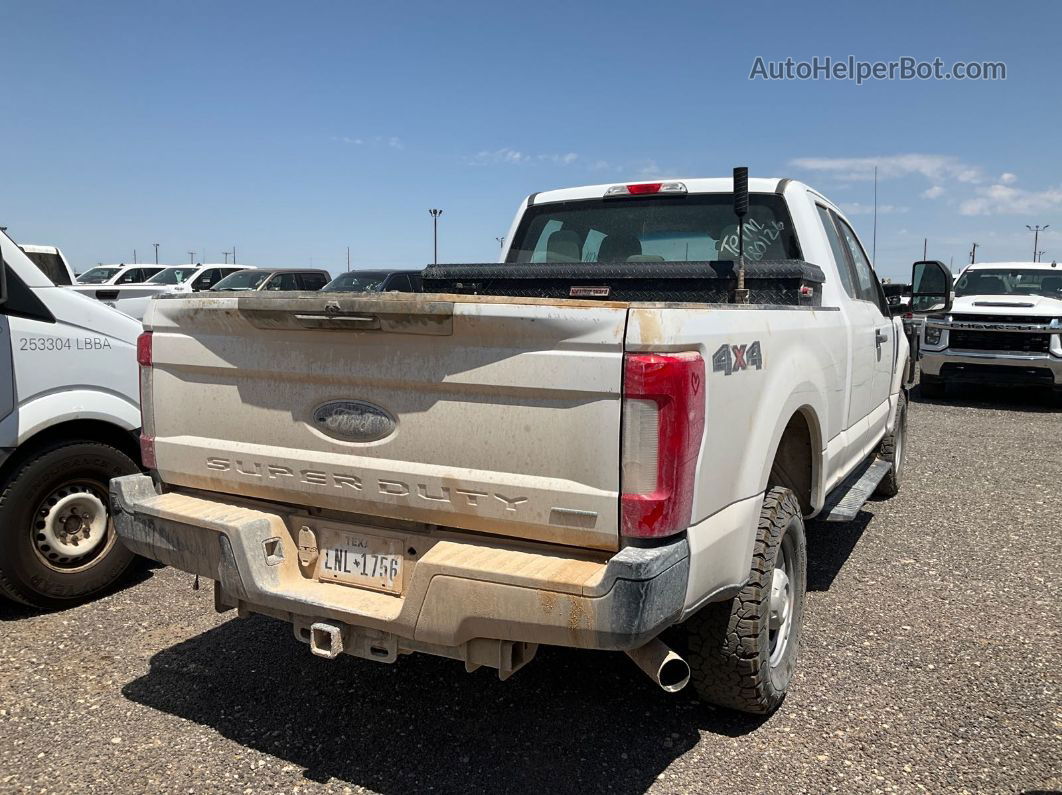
(50, 265)
(242, 280)
(173, 275)
(697, 227)
(313, 281)
(355, 282)
(96, 275)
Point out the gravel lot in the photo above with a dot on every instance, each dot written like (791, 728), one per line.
(931, 661)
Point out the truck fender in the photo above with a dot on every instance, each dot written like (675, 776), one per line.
(805, 400)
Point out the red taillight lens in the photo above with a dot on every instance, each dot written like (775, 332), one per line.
(145, 359)
(663, 422)
(147, 451)
(143, 349)
(644, 187)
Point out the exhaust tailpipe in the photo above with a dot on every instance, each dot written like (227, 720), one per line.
(661, 665)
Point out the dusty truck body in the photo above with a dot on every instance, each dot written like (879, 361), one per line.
(478, 469)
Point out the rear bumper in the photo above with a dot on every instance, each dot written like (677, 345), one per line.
(456, 591)
(992, 368)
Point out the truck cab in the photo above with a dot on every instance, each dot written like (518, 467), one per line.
(1004, 328)
(69, 416)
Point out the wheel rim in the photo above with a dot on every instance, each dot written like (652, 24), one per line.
(780, 616)
(70, 526)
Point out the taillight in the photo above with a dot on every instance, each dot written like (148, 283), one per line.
(663, 422)
(646, 189)
(145, 358)
(143, 349)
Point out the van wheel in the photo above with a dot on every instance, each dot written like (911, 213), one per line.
(742, 653)
(57, 542)
(893, 449)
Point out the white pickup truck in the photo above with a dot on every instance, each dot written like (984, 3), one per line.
(593, 441)
(1005, 327)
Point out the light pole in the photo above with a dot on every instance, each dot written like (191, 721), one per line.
(501, 242)
(1036, 230)
(435, 231)
(1040, 255)
(973, 253)
(191, 258)
(226, 255)
(156, 245)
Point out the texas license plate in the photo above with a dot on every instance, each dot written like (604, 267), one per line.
(361, 559)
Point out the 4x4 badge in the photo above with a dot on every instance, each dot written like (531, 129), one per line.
(731, 358)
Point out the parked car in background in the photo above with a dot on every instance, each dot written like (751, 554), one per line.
(281, 279)
(69, 422)
(51, 262)
(378, 281)
(119, 274)
(133, 298)
(1005, 327)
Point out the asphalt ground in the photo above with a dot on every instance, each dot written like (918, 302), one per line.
(931, 660)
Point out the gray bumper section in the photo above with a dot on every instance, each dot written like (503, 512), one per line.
(641, 592)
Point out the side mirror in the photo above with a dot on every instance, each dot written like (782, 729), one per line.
(930, 287)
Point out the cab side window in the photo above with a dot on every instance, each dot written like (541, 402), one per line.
(840, 255)
(312, 281)
(205, 279)
(867, 284)
(282, 281)
(131, 276)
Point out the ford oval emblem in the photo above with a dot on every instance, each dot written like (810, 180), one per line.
(354, 420)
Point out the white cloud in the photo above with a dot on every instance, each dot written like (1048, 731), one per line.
(1007, 178)
(392, 141)
(932, 167)
(1004, 199)
(509, 156)
(857, 208)
(934, 192)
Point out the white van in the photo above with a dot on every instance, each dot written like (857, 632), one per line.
(69, 422)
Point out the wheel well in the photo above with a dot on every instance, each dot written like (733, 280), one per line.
(794, 461)
(91, 430)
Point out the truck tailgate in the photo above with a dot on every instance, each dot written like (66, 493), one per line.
(494, 415)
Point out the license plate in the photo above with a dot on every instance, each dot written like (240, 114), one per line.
(361, 559)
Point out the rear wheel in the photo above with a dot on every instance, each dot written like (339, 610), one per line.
(57, 542)
(742, 653)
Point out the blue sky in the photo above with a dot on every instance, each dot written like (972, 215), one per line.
(295, 130)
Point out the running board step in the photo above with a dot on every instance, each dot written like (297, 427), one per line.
(843, 503)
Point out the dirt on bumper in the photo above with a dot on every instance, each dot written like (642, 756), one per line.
(457, 590)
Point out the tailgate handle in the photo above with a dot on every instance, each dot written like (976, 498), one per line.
(387, 314)
(360, 322)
